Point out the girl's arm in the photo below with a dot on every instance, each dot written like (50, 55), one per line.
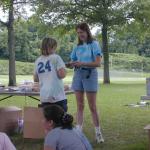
(96, 63)
(60, 68)
(61, 73)
(35, 78)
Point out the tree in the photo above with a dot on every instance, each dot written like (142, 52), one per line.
(9, 5)
(27, 40)
(134, 36)
(9, 24)
(141, 13)
(127, 39)
(3, 43)
(28, 36)
(104, 13)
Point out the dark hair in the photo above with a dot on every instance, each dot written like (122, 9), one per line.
(46, 44)
(59, 117)
(84, 27)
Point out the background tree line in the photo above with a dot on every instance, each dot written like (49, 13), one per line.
(129, 39)
(28, 37)
(124, 28)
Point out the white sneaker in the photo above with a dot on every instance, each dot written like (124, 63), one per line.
(99, 138)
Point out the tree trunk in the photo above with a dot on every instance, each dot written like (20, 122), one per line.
(106, 79)
(12, 70)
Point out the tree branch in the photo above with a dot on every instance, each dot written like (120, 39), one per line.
(87, 6)
(25, 2)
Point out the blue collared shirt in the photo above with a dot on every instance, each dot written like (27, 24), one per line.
(86, 52)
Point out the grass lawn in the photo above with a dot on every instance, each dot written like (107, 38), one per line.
(123, 77)
(122, 126)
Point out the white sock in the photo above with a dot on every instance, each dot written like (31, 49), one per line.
(97, 130)
(79, 127)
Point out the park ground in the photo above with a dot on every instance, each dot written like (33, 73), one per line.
(122, 126)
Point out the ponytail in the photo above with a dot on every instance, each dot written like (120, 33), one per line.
(59, 117)
(67, 121)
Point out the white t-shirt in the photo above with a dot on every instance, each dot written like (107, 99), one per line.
(5, 143)
(51, 87)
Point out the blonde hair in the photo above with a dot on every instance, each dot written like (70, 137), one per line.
(48, 43)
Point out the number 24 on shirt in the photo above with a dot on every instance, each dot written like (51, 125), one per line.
(43, 67)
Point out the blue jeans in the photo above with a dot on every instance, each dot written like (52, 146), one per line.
(62, 104)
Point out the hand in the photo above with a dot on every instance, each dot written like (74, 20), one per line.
(78, 64)
(69, 65)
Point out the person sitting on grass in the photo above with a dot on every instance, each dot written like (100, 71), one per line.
(5, 143)
(49, 72)
(60, 134)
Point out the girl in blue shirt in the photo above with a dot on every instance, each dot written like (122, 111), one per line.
(86, 57)
(60, 134)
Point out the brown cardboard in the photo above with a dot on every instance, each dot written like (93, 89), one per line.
(9, 119)
(148, 129)
(33, 123)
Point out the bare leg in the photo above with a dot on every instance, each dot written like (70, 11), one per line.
(80, 107)
(91, 96)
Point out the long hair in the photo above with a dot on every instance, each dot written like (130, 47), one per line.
(59, 117)
(48, 43)
(84, 27)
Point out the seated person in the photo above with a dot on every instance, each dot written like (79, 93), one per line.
(60, 134)
(5, 143)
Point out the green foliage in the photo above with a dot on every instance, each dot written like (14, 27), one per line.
(130, 62)
(133, 37)
(120, 61)
(130, 38)
(3, 43)
(141, 13)
(27, 41)
(22, 68)
(94, 11)
(28, 38)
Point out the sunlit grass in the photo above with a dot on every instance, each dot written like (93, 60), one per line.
(122, 126)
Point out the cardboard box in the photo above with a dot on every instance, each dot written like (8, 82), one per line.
(148, 129)
(33, 123)
(9, 119)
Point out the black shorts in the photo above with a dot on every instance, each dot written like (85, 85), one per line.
(62, 104)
